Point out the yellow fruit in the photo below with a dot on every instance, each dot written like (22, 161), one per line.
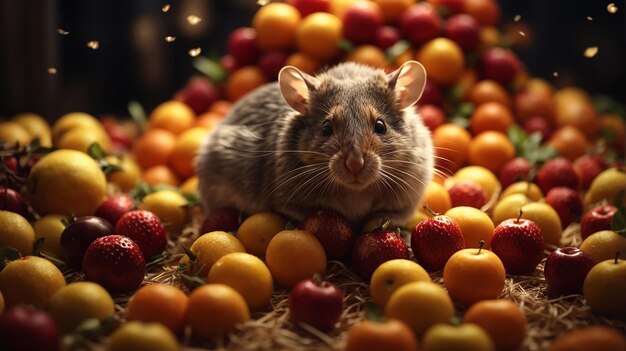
(508, 207)
(139, 336)
(319, 35)
(128, 177)
(480, 175)
(73, 120)
(393, 274)
(173, 116)
(417, 217)
(606, 186)
(436, 197)
(169, 206)
(547, 219)
(275, 25)
(420, 305)
(66, 182)
(443, 59)
(247, 274)
(182, 159)
(15, 231)
(190, 186)
(31, 280)
(209, 248)
(475, 225)
(76, 302)
(294, 255)
(369, 55)
(256, 231)
(50, 228)
(603, 245)
(12, 133)
(339, 7)
(531, 190)
(36, 126)
(1, 303)
(466, 336)
(159, 303)
(605, 288)
(81, 138)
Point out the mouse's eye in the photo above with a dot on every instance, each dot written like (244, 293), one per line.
(327, 128)
(380, 127)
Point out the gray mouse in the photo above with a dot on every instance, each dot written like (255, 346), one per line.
(348, 139)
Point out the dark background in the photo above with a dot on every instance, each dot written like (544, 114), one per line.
(134, 62)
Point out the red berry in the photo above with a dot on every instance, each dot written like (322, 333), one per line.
(434, 240)
(467, 193)
(556, 172)
(519, 245)
(514, 170)
(333, 231)
(114, 207)
(372, 249)
(145, 229)
(567, 203)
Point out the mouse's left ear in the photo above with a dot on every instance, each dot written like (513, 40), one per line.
(408, 83)
(296, 87)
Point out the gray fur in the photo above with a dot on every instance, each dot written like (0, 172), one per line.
(264, 156)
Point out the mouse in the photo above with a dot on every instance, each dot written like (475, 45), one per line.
(348, 138)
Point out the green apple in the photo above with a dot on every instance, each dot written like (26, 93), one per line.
(605, 288)
(466, 337)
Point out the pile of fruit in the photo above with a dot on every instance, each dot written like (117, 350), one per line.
(519, 243)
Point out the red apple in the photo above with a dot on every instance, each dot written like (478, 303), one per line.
(538, 125)
(386, 36)
(556, 172)
(372, 249)
(12, 201)
(499, 64)
(464, 30)
(519, 244)
(226, 219)
(588, 167)
(434, 240)
(567, 203)
(272, 62)
(307, 7)
(120, 137)
(360, 21)
(242, 46)
(432, 116)
(565, 270)
(419, 23)
(431, 95)
(597, 219)
(229, 64)
(467, 193)
(333, 231)
(114, 207)
(199, 94)
(78, 235)
(515, 170)
(316, 303)
(450, 7)
(24, 328)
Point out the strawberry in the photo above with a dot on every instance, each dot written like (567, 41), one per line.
(144, 228)
(518, 242)
(514, 170)
(567, 203)
(434, 240)
(115, 262)
(467, 193)
(333, 231)
(226, 219)
(113, 207)
(557, 172)
(372, 249)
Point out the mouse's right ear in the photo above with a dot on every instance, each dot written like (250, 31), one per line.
(295, 86)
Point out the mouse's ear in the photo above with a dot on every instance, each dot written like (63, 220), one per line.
(295, 86)
(408, 83)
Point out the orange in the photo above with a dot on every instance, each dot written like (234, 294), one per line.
(12, 133)
(475, 225)
(36, 126)
(486, 12)
(275, 25)
(535, 103)
(391, 334)
(209, 248)
(16, 232)
(392, 9)
(502, 319)
(159, 303)
(154, 147)
(295, 255)
(244, 80)
(160, 175)
(30, 280)
(613, 128)
(570, 142)
(489, 37)
(597, 338)
(304, 62)
(369, 55)
(488, 91)
(451, 143)
(319, 35)
(491, 116)
(256, 231)
(481, 175)
(221, 107)
(391, 275)
(436, 197)
(491, 149)
(214, 309)
(208, 120)
(182, 159)
(247, 274)
(339, 7)
(443, 59)
(575, 108)
(174, 116)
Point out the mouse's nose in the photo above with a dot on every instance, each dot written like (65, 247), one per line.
(355, 162)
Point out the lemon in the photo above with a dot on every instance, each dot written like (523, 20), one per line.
(603, 245)
(15, 231)
(190, 186)
(70, 121)
(76, 302)
(547, 219)
(128, 177)
(209, 248)
(80, 138)
(139, 336)
(247, 274)
(31, 280)
(417, 217)
(66, 182)
(50, 227)
(480, 175)
(168, 205)
(531, 190)
(606, 186)
(257, 231)
(391, 275)
(475, 225)
(12, 133)
(36, 126)
(508, 207)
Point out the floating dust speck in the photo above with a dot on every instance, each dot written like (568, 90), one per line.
(52, 70)
(94, 44)
(612, 8)
(262, 2)
(193, 19)
(591, 51)
(589, 18)
(517, 18)
(62, 32)
(170, 38)
(521, 33)
(165, 8)
(195, 52)
(555, 74)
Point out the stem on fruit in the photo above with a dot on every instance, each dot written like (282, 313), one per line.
(430, 211)
(317, 279)
(480, 246)
(519, 215)
(616, 257)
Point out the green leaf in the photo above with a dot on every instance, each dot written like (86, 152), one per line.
(96, 151)
(346, 45)
(108, 168)
(193, 200)
(618, 223)
(373, 313)
(190, 254)
(37, 246)
(397, 49)
(137, 113)
(210, 68)
(619, 199)
(607, 104)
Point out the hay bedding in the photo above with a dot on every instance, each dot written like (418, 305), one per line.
(271, 329)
